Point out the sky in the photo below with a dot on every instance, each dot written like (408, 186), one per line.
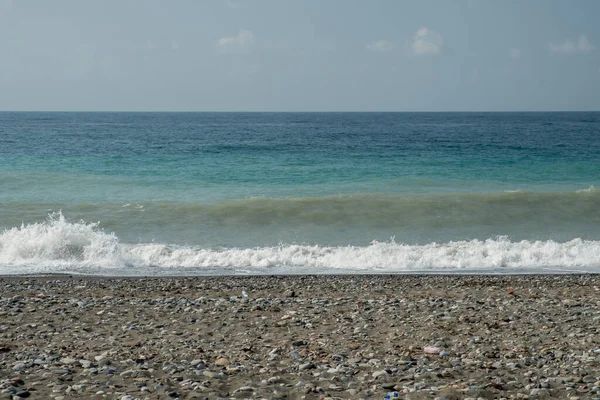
(300, 55)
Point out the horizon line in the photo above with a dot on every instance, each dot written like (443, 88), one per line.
(296, 111)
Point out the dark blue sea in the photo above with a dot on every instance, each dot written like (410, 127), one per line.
(298, 193)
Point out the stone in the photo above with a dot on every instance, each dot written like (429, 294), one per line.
(61, 371)
(431, 349)
(17, 381)
(244, 389)
(19, 367)
(377, 374)
(212, 375)
(537, 392)
(305, 366)
(222, 362)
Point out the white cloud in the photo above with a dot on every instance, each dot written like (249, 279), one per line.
(514, 53)
(571, 47)
(381, 45)
(241, 42)
(427, 42)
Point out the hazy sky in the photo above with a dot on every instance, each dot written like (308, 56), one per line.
(301, 55)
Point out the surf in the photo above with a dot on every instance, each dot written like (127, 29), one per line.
(58, 245)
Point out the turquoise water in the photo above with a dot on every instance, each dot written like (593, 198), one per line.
(193, 193)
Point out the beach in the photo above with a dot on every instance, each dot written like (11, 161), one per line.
(293, 337)
(299, 200)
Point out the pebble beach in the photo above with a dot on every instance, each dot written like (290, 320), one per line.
(300, 337)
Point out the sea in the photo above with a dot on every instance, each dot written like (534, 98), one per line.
(157, 194)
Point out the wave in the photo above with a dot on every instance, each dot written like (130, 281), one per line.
(61, 246)
(362, 210)
(590, 188)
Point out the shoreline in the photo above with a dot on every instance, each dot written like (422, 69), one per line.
(301, 336)
(417, 273)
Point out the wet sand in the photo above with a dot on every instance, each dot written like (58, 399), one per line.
(292, 337)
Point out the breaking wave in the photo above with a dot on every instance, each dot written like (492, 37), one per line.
(61, 246)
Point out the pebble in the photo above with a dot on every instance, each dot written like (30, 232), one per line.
(333, 337)
(222, 362)
(212, 375)
(432, 349)
(244, 389)
(19, 367)
(17, 381)
(377, 374)
(305, 366)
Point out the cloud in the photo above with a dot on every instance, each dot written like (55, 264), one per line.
(427, 42)
(570, 47)
(514, 53)
(242, 42)
(381, 46)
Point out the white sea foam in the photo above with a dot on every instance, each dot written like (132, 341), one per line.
(591, 188)
(58, 246)
(57, 243)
